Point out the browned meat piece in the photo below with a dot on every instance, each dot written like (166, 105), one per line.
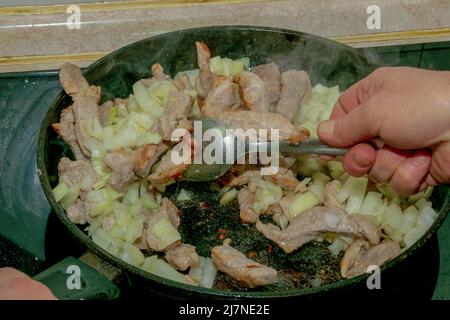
(167, 170)
(245, 271)
(79, 172)
(360, 255)
(108, 223)
(167, 210)
(205, 77)
(177, 109)
(141, 243)
(281, 207)
(104, 112)
(158, 72)
(157, 75)
(71, 78)
(252, 92)
(146, 156)
(222, 96)
(121, 164)
(284, 178)
(246, 198)
(182, 257)
(306, 226)
(172, 211)
(66, 129)
(182, 82)
(295, 90)
(85, 100)
(369, 230)
(271, 77)
(331, 189)
(77, 212)
(244, 119)
(244, 178)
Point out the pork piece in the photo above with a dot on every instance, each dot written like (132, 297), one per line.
(271, 77)
(253, 92)
(244, 178)
(157, 75)
(360, 255)
(245, 271)
(295, 90)
(78, 172)
(166, 210)
(306, 226)
(121, 164)
(205, 77)
(85, 99)
(175, 112)
(66, 130)
(104, 112)
(223, 95)
(182, 257)
(146, 156)
(243, 119)
(285, 202)
(108, 223)
(331, 190)
(71, 78)
(141, 243)
(182, 82)
(77, 213)
(167, 170)
(246, 198)
(284, 178)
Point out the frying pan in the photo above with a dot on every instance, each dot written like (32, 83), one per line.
(327, 62)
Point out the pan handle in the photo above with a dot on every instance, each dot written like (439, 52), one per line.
(86, 278)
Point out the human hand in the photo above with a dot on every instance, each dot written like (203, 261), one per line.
(15, 285)
(409, 109)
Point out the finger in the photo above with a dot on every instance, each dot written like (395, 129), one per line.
(359, 93)
(25, 289)
(409, 175)
(359, 159)
(388, 160)
(338, 111)
(429, 181)
(440, 163)
(8, 273)
(358, 125)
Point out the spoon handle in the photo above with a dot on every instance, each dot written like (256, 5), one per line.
(308, 146)
(313, 146)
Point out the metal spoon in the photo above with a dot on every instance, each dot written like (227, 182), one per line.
(238, 148)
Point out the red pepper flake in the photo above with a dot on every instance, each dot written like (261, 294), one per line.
(221, 236)
(223, 231)
(269, 248)
(251, 254)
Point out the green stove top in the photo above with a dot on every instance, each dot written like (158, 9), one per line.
(24, 211)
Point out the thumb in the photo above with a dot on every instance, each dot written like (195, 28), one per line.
(360, 124)
(440, 169)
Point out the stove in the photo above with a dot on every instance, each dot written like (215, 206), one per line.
(32, 238)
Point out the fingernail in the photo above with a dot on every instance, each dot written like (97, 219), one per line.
(326, 127)
(419, 161)
(361, 161)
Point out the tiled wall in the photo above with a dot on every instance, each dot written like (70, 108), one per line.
(42, 31)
